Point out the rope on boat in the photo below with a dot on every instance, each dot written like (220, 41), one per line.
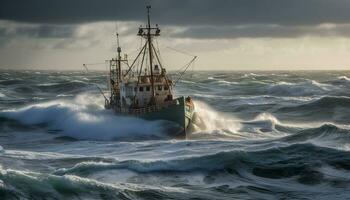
(180, 51)
(87, 70)
(186, 67)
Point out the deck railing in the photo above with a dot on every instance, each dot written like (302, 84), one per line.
(144, 110)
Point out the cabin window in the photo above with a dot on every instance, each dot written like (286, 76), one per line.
(159, 87)
(135, 89)
(148, 88)
(141, 89)
(166, 87)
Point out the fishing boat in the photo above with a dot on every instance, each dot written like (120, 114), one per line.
(144, 89)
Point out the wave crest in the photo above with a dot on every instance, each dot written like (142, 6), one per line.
(233, 160)
(325, 135)
(85, 118)
(308, 88)
(343, 78)
(209, 122)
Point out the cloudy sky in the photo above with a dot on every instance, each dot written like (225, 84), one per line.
(225, 34)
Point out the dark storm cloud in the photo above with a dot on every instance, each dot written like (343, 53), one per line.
(46, 31)
(200, 18)
(37, 31)
(10, 32)
(180, 12)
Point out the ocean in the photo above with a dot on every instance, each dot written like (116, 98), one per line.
(259, 135)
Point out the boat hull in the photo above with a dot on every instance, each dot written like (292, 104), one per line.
(179, 113)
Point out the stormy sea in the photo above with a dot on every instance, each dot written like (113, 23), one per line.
(257, 135)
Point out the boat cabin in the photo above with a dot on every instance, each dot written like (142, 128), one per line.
(137, 92)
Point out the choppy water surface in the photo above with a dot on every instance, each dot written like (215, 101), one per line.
(261, 135)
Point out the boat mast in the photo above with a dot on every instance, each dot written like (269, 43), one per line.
(149, 40)
(119, 49)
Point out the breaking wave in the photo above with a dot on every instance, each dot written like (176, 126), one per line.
(31, 185)
(265, 125)
(70, 86)
(344, 78)
(308, 88)
(326, 134)
(303, 161)
(329, 102)
(210, 123)
(323, 103)
(83, 118)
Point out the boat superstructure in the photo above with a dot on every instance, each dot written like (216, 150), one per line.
(143, 88)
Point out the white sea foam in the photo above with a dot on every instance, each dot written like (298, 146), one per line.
(209, 120)
(223, 82)
(85, 118)
(187, 81)
(344, 78)
(77, 81)
(262, 126)
(267, 117)
(48, 84)
(324, 86)
(310, 87)
(220, 125)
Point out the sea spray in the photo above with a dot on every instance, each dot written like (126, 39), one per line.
(209, 121)
(84, 119)
(264, 124)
